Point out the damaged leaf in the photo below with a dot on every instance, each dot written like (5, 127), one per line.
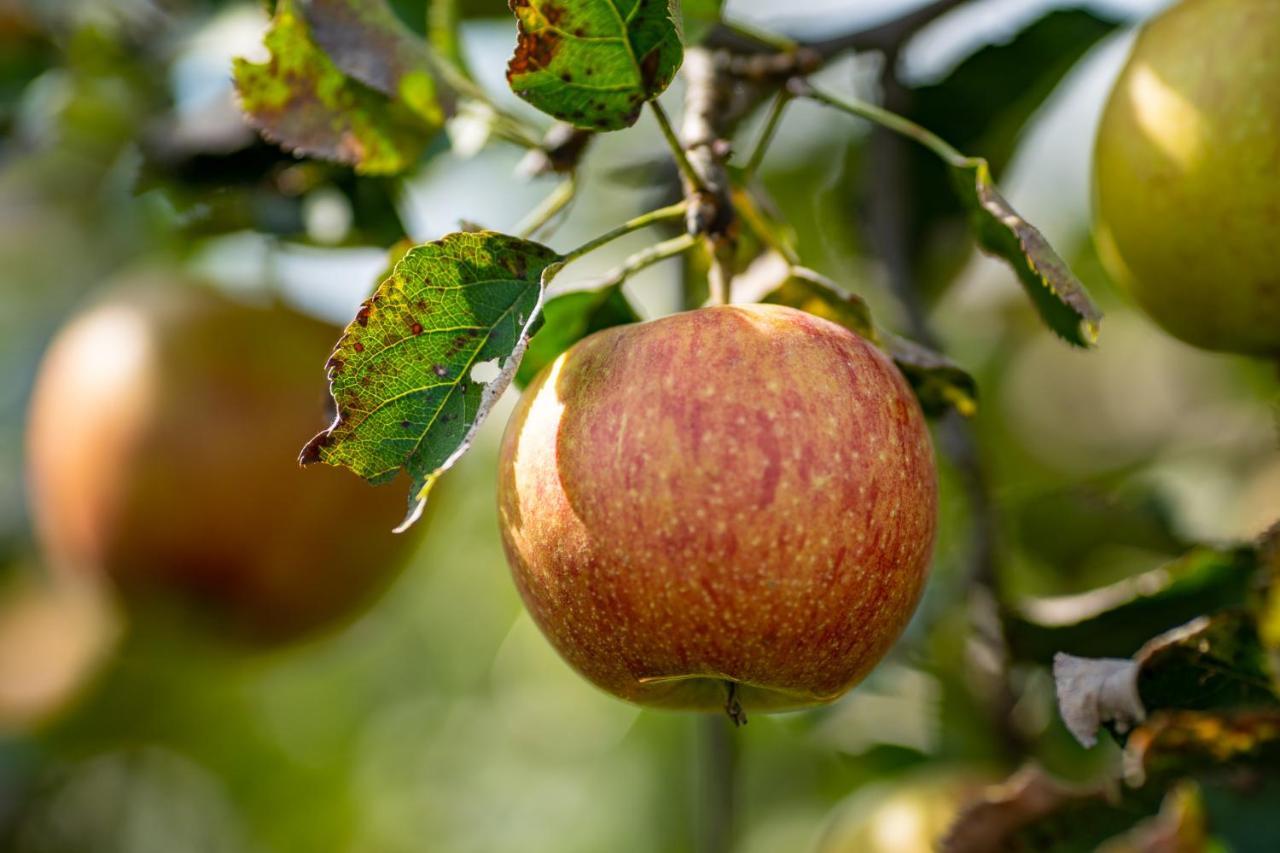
(593, 63)
(1057, 294)
(368, 43)
(417, 371)
(303, 102)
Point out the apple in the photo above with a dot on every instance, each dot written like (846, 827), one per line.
(54, 634)
(730, 505)
(162, 450)
(1187, 172)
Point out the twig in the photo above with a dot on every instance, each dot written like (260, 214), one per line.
(548, 208)
(766, 135)
(644, 258)
(687, 171)
(644, 220)
(883, 117)
(708, 93)
(886, 37)
(561, 151)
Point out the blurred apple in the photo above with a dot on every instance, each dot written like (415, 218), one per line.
(908, 815)
(52, 636)
(1188, 174)
(739, 495)
(162, 443)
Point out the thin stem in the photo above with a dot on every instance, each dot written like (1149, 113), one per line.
(644, 220)
(648, 257)
(776, 41)
(766, 136)
(677, 150)
(442, 33)
(884, 118)
(717, 794)
(548, 208)
(749, 212)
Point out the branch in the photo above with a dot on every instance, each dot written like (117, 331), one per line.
(887, 37)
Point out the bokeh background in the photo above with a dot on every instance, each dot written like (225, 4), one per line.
(438, 719)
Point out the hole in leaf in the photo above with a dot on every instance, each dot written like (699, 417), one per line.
(485, 372)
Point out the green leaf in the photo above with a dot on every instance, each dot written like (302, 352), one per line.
(1211, 662)
(569, 318)
(982, 106)
(1116, 620)
(402, 374)
(938, 382)
(303, 102)
(593, 63)
(698, 18)
(370, 44)
(1057, 294)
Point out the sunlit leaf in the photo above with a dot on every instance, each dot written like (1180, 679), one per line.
(593, 63)
(569, 318)
(1057, 294)
(406, 375)
(300, 100)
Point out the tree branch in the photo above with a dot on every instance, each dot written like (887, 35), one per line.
(885, 37)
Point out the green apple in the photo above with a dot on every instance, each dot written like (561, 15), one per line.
(1187, 171)
(741, 495)
(162, 453)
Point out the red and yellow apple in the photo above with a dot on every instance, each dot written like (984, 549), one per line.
(1187, 174)
(741, 495)
(162, 445)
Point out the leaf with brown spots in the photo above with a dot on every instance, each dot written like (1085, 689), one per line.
(401, 375)
(593, 63)
(302, 101)
(1057, 294)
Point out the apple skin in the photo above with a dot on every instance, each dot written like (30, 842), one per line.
(1187, 174)
(740, 494)
(162, 447)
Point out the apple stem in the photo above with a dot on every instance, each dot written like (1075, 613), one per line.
(732, 706)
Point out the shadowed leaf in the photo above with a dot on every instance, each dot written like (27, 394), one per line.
(569, 318)
(1211, 662)
(368, 43)
(1033, 811)
(300, 100)
(593, 63)
(1057, 294)
(402, 374)
(1116, 620)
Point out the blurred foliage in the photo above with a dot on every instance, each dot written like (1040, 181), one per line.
(1128, 488)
